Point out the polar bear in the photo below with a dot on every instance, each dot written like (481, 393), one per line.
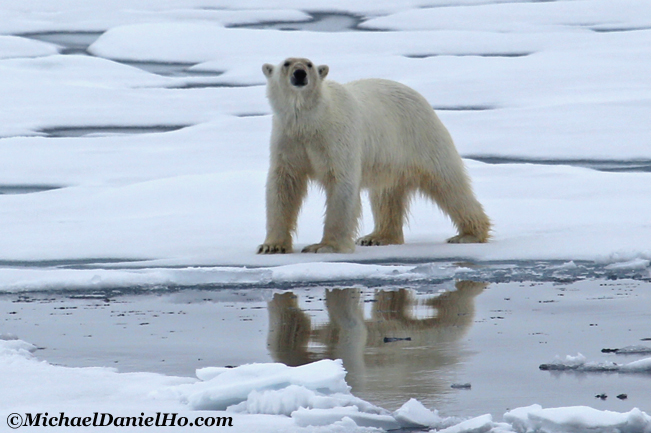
(370, 134)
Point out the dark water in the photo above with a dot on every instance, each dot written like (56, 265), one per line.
(396, 343)
(478, 54)
(611, 165)
(318, 22)
(26, 188)
(82, 131)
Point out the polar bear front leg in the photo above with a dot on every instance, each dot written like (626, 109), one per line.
(285, 192)
(342, 212)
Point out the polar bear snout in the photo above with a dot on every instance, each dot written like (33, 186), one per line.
(299, 77)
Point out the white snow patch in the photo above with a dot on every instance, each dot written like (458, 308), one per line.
(14, 46)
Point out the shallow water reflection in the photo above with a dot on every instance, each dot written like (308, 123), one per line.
(404, 345)
(396, 342)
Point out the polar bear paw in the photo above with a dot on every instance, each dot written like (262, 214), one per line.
(465, 239)
(377, 240)
(273, 249)
(325, 248)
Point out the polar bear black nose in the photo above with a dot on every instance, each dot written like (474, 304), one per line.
(299, 77)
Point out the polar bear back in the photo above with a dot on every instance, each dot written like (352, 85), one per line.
(400, 132)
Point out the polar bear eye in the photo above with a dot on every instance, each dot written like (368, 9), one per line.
(286, 64)
(309, 65)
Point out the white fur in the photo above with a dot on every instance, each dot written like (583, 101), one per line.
(375, 134)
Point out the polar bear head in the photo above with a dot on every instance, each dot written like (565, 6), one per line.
(295, 83)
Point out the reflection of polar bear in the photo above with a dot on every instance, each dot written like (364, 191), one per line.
(374, 134)
(390, 349)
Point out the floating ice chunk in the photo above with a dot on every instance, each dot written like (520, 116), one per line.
(294, 397)
(569, 363)
(320, 417)
(11, 346)
(315, 394)
(208, 373)
(565, 266)
(579, 359)
(625, 259)
(579, 363)
(233, 386)
(480, 424)
(577, 418)
(640, 366)
(629, 350)
(414, 415)
(631, 264)
(346, 425)
(519, 418)
(277, 402)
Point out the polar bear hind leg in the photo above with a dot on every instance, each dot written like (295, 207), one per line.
(453, 194)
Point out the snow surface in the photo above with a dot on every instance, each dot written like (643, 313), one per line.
(554, 81)
(523, 81)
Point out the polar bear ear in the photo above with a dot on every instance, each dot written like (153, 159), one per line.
(323, 71)
(267, 70)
